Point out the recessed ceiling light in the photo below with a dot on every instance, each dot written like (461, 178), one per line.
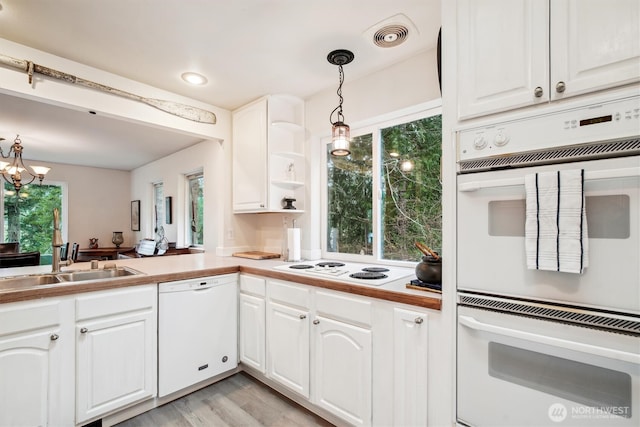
(194, 78)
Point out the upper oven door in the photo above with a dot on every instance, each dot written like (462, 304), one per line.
(491, 243)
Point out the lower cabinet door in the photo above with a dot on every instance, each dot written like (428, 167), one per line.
(252, 331)
(29, 368)
(36, 364)
(288, 347)
(342, 370)
(409, 367)
(116, 363)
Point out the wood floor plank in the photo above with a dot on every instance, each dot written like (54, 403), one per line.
(237, 401)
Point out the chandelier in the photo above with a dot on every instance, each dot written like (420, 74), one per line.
(13, 170)
(340, 133)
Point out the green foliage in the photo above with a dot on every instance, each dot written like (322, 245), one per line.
(411, 200)
(350, 199)
(28, 216)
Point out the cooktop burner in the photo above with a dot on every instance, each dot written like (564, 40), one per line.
(375, 269)
(330, 264)
(368, 275)
(300, 266)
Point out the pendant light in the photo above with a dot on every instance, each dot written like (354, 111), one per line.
(340, 133)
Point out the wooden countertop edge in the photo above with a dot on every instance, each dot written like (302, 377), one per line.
(56, 290)
(367, 291)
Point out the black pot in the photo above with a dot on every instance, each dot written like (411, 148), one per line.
(429, 270)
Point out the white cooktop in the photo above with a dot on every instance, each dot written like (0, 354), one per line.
(351, 272)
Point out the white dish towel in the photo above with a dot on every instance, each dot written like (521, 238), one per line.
(556, 223)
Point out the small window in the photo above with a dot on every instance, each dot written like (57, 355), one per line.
(158, 206)
(195, 186)
(28, 217)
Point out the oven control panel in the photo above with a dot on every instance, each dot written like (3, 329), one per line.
(603, 121)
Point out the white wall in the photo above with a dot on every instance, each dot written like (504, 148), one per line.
(207, 156)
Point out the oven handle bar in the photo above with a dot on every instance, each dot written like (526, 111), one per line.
(472, 323)
(509, 182)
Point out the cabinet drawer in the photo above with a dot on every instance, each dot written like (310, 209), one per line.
(354, 310)
(22, 316)
(113, 302)
(289, 294)
(252, 285)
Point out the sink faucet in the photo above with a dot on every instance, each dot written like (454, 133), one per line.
(56, 243)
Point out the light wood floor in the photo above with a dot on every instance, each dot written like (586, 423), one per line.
(235, 401)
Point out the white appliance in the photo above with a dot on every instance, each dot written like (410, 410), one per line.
(515, 370)
(350, 272)
(546, 347)
(197, 331)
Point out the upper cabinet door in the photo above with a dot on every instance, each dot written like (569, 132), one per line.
(250, 157)
(503, 57)
(595, 45)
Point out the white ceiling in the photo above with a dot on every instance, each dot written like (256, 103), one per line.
(246, 49)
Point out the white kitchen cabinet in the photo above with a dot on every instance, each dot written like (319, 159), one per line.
(268, 155)
(410, 343)
(252, 322)
(518, 53)
(342, 382)
(116, 349)
(288, 335)
(342, 362)
(36, 363)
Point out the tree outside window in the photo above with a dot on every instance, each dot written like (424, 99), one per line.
(196, 208)
(28, 217)
(403, 161)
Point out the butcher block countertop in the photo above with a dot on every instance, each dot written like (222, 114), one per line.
(190, 266)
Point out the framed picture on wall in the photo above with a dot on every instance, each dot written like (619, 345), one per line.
(135, 215)
(167, 210)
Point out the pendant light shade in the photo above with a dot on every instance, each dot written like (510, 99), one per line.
(340, 132)
(340, 138)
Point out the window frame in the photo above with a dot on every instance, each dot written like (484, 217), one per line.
(187, 206)
(374, 127)
(64, 205)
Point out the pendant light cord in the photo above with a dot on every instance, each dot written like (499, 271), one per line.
(338, 109)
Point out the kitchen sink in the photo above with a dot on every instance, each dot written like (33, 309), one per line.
(111, 273)
(28, 281)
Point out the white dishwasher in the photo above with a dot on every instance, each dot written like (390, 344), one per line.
(197, 330)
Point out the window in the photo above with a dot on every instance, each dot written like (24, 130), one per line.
(28, 217)
(195, 185)
(386, 195)
(158, 206)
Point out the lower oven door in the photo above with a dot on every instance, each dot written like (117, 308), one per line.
(491, 236)
(520, 371)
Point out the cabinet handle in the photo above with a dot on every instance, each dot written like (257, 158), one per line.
(303, 316)
(538, 92)
(54, 337)
(315, 322)
(560, 87)
(84, 330)
(419, 320)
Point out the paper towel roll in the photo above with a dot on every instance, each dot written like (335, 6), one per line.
(293, 244)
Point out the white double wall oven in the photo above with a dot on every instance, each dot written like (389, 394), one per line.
(547, 347)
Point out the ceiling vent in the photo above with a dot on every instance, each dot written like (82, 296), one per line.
(391, 32)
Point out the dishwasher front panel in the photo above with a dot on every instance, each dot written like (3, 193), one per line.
(197, 331)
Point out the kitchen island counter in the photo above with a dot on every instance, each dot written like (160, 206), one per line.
(190, 266)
